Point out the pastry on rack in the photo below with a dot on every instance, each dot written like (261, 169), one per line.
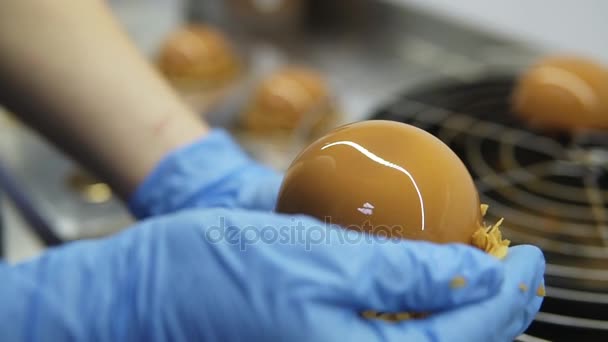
(562, 93)
(199, 62)
(293, 101)
(198, 56)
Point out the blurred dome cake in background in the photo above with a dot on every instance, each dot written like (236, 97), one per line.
(200, 63)
(563, 94)
(198, 56)
(291, 101)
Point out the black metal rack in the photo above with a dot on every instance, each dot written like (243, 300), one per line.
(551, 189)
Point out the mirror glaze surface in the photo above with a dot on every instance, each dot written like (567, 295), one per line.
(387, 178)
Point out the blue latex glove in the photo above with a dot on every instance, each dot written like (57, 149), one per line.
(175, 278)
(213, 172)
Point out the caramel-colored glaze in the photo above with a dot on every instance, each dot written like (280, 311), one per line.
(386, 178)
(196, 56)
(291, 98)
(563, 93)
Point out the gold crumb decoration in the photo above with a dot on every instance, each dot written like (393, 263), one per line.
(458, 282)
(541, 292)
(387, 316)
(393, 317)
(523, 287)
(402, 316)
(489, 239)
(369, 314)
(484, 209)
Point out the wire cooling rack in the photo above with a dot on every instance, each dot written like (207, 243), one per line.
(551, 189)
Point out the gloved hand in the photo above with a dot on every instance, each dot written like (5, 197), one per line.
(213, 172)
(238, 275)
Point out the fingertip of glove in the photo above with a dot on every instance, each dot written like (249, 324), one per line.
(529, 253)
(461, 266)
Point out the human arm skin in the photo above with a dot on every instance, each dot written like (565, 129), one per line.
(68, 70)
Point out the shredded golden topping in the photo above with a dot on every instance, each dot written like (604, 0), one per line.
(489, 238)
(484, 209)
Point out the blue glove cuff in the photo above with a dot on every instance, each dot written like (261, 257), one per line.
(212, 172)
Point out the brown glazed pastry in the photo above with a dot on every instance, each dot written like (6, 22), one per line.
(387, 178)
(564, 94)
(293, 98)
(198, 57)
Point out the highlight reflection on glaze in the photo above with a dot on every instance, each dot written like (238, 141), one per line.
(383, 162)
(367, 209)
(568, 80)
(562, 93)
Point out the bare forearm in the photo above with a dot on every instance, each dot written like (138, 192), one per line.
(68, 70)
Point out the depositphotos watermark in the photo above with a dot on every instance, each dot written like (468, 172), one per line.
(298, 233)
